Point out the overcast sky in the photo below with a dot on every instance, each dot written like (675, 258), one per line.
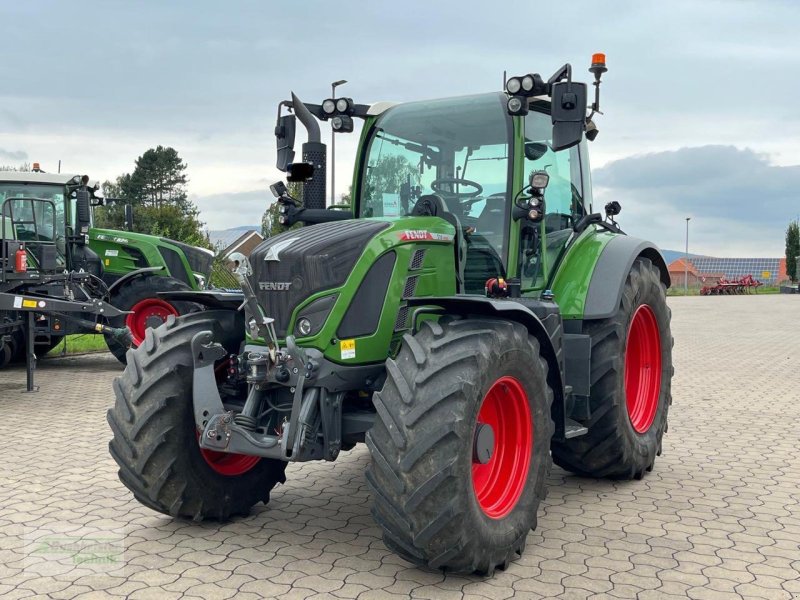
(700, 99)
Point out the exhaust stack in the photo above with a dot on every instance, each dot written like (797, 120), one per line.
(314, 153)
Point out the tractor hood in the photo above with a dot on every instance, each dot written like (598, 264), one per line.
(291, 266)
(343, 287)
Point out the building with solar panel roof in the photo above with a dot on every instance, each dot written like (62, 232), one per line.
(708, 270)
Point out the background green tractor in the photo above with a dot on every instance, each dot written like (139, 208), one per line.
(131, 268)
(469, 318)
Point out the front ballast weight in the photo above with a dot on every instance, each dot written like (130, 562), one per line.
(309, 425)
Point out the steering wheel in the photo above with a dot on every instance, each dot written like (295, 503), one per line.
(437, 184)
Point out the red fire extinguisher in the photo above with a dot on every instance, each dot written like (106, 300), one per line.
(21, 260)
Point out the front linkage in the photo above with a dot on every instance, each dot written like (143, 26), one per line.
(308, 389)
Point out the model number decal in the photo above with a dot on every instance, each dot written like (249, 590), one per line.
(421, 235)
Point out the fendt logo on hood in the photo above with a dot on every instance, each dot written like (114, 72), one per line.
(274, 286)
(274, 251)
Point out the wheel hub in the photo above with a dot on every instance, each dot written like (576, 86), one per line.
(148, 313)
(483, 444)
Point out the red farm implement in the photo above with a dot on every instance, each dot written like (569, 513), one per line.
(742, 285)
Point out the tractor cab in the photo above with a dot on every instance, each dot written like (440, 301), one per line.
(49, 208)
(468, 161)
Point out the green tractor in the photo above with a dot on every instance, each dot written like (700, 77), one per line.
(130, 269)
(469, 318)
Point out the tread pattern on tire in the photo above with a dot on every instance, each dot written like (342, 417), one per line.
(610, 449)
(154, 442)
(423, 417)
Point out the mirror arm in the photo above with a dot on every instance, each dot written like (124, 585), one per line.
(587, 220)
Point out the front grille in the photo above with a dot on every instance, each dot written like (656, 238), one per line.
(417, 259)
(402, 319)
(310, 259)
(410, 287)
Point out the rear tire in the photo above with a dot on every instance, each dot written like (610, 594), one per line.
(436, 503)
(6, 354)
(155, 437)
(627, 425)
(142, 293)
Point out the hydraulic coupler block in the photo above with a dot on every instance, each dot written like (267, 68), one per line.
(257, 368)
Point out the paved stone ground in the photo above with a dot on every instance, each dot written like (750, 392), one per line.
(718, 517)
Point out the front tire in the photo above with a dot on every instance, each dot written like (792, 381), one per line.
(155, 436)
(630, 396)
(447, 492)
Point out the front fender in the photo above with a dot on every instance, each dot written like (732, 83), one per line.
(542, 319)
(611, 271)
(131, 276)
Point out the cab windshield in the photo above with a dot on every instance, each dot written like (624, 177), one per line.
(456, 149)
(49, 225)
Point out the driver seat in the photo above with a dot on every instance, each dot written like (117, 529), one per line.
(432, 205)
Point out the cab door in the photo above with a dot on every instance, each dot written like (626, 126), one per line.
(566, 199)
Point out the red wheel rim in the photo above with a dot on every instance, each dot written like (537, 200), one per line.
(643, 369)
(228, 464)
(498, 484)
(150, 312)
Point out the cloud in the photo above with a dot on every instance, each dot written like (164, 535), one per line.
(739, 202)
(13, 154)
(221, 211)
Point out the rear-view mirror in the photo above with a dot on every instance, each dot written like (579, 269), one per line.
(284, 138)
(83, 207)
(568, 113)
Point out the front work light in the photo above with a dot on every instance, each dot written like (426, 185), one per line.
(329, 106)
(344, 106)
(342, 124)
(513, 85)
(539, 180)
(527, 83)
(517, 106)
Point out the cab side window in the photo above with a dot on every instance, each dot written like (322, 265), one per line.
(564, 199)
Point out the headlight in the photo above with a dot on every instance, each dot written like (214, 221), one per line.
(313, 316)
(303, 326)
(513, 85)
(329, 106)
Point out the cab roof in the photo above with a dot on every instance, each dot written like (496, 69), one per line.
(41, 178)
